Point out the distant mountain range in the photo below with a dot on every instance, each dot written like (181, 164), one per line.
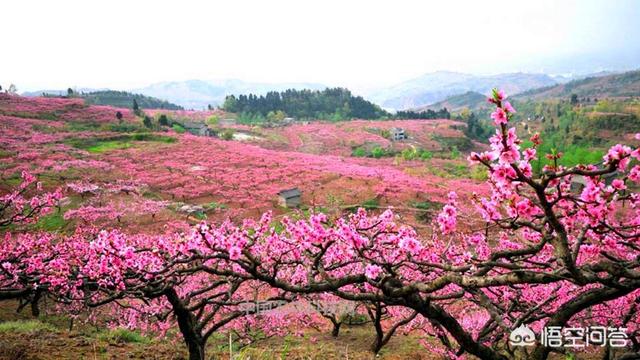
(197, 94)
(622, 85)
(59, 92)
(435, 90)
(596, 86)
(434, 87)
(469, 100)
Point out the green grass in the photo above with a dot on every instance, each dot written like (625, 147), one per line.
(51, 222)
(121, 335)
(99, 145)
(25, 326)
(108, 146)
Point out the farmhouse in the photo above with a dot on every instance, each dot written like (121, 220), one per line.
(397, 134)
(290, 198)
(198, 128)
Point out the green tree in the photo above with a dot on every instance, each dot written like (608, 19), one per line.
(574, 99)
(163, 120)
(136, 108)
(147, 122)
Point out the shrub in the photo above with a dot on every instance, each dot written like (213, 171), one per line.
(377, 152)
(179, 129)
(227, 134)
(426, 155)
(359, 152)
(163, 120)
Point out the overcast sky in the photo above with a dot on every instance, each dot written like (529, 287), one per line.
(129, 44)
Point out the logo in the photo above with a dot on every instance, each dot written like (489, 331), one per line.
(522, 336)
(571, 337)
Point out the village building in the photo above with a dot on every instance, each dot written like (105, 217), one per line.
(290, 198)
(397, 134)
(198, 128)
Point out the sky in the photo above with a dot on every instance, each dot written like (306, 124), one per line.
(359, 44)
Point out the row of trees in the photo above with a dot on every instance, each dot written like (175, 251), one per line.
(307, 104)
(538, 254)
(427, 114)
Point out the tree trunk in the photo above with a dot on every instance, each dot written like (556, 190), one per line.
(35, 309)
(336, 328)
(188, 326)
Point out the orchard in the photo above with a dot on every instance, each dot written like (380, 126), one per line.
(537, 253)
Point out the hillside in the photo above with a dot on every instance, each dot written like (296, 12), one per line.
(622, 85)
(434, 87)
(121, 99)
(469, 100)
(125, 99)
(198, 94)
(330, 103)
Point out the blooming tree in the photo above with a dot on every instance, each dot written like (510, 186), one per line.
(17, 207)
(544, 254)
(549, 255)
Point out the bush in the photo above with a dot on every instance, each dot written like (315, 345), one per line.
(179, 129)
(147, 122)
(426, 155)
(359, 152)
(227, 134)
(213, 120)
(163, 120)
(377, 152)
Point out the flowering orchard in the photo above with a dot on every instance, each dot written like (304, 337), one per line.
(342, 137)
(547, 255)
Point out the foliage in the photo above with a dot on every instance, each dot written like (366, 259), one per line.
(125, 99)
(427, 114)
(303, 104)
(227, 134)
(178, 128)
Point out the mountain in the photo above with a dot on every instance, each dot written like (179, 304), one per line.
(621, 85)
(58, 92)
(433, 87)
(197, 94)
(470, 100)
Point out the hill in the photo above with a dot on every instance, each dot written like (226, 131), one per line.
(330, 103)
(121, 99)
(622, 85)
(434, 87)
(125, 99)
(470, 100)
(198, 94)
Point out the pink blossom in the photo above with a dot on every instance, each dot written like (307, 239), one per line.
(372, 271)
(499, 116)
